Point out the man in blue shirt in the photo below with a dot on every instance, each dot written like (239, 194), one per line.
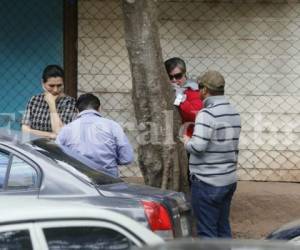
(101, 140)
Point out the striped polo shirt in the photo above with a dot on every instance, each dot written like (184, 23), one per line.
(214, 144)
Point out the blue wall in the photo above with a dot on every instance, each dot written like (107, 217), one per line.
(31, 37)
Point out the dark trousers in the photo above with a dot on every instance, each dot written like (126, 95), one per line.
(211, 206)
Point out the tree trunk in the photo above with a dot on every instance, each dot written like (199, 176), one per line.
(162, 158)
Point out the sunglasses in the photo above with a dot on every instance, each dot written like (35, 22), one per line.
(177, 76)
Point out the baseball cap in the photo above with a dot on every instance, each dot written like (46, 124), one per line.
(213, 80)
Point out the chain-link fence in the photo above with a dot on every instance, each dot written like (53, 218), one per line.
(256, 46)
(103, 64)
(31, 37)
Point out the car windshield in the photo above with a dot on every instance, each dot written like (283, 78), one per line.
(73, 162)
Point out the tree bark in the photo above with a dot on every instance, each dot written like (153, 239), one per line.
(162, 158)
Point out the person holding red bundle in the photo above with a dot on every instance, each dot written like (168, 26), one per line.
(187, 95)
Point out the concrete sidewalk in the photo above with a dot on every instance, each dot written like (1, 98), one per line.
(260, 207)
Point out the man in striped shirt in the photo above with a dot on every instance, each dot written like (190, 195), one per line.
(213, 161)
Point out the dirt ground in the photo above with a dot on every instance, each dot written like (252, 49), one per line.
(260, 207)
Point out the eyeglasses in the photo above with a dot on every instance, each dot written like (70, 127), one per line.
(177, 76)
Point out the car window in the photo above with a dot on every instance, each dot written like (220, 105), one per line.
(21, 175)
(15, 240)
(86, 238)
(4, 161)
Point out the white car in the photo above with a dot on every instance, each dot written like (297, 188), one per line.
(27, 223)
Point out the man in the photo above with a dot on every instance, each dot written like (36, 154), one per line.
(100, 140)
(213, 161)
(47, 112)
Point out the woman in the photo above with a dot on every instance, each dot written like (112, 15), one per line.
(187, 93)
(47, 112)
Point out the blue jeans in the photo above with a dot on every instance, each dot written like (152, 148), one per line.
(211, 206)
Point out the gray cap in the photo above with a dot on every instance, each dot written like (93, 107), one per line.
(213, 80)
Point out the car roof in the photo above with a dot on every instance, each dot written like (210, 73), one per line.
(19, 209)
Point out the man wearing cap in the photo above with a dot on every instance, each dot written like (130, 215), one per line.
(213, 161)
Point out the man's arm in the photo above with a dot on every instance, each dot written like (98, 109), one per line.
(62, 136)
(124, 148)
(202, 135)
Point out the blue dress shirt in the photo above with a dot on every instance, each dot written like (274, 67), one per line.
(101, 140)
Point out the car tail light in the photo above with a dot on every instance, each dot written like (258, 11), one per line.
(158, 217)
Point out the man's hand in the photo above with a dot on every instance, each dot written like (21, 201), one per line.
(186, 139)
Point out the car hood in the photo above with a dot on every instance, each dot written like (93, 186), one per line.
(143, 192)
